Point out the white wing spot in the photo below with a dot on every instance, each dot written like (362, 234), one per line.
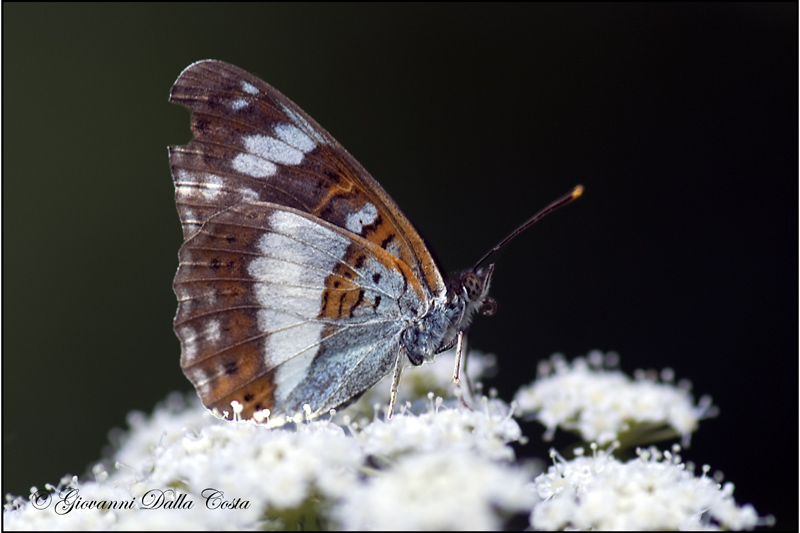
(200, 378)
(239, 103)
(254, 166)
(211, 298)
(213, 331)
(188, 336)
(187, 306)
(293, 136)
(189, 219)
(273, 150)
(364, 217)
(249, 194)
(249, 88)
(213, 186)
(191, 185)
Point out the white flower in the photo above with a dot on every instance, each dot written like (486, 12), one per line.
(266, 471)
(487, 431)
(653, 492)
(435, 465)
(437, 490)
(163, 427)
(296, 476)
(604, 405)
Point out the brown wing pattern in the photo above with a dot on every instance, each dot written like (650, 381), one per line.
(251, 143)
(278, 309)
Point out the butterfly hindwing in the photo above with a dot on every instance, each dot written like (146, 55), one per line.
(277, 308)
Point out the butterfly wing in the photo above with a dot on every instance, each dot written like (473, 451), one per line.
(252, 143)
(298, 270)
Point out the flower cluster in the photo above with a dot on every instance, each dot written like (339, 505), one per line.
(436, 465)
(600, 404)
(655, 491)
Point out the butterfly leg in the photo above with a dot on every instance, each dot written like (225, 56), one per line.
(457, 369)
(398, 369)
(460, 355)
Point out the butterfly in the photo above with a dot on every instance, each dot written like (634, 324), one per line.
(301, 283)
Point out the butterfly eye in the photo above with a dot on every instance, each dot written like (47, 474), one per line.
(489, 307)
(473, 285)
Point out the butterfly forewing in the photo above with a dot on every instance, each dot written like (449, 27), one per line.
(253, 143)
(298, 270)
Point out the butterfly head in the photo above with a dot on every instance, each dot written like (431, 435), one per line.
(472, 288)
(467, 293)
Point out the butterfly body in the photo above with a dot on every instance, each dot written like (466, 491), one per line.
(300, 280)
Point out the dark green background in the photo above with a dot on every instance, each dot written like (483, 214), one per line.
(680, 120)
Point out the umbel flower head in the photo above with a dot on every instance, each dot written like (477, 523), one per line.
(655, 491)
(435, 465)
(599, 403)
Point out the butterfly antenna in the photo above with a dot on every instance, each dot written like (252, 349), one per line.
(564, 200)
